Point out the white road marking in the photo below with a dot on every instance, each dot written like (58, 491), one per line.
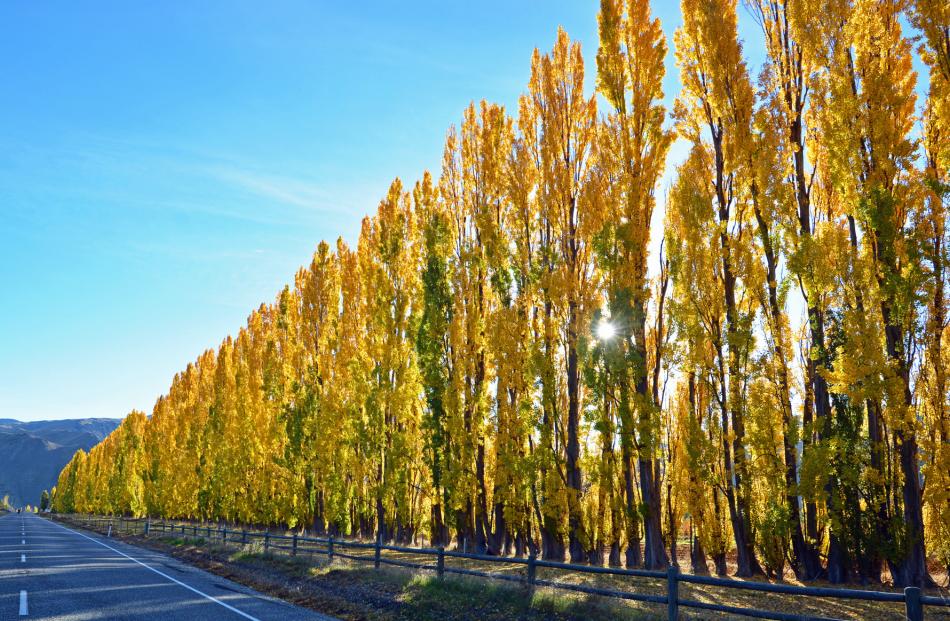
(24, 610)
(23, 558)
(162, 574)
(23, 542)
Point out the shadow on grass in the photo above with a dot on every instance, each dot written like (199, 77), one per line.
(391, 594)
(427, 598)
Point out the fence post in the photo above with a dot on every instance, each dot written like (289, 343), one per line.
(294, 551)
(379, 542)
(913, 608)
(532, 572)
(109, 534)
(330, 550)
(194, 531)
(244, 537)
(146, 526)
(440, 565)
(224, 535)
(672, 591)
(266, 541)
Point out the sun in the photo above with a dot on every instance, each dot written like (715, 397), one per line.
(605, 331)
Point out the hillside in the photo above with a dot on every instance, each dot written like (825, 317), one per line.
(33, 453)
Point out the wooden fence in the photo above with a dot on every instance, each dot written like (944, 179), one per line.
(294, 544)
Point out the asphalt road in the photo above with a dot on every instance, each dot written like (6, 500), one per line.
(50, 572)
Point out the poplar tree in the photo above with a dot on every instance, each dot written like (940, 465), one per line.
(717, 100)
(633, 155)
(432, 345)
(933, 20)
(566, 129)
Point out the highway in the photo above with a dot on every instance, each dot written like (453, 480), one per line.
(50, 572)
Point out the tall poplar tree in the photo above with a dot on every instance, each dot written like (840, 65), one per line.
(633, 155)
(717, 102)
(566, 130)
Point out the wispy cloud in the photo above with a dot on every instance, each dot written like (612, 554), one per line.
(175, 176)
(282, 189)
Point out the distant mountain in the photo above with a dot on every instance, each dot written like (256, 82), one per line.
(32, 454)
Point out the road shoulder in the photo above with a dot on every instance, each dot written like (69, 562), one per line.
(254, 604)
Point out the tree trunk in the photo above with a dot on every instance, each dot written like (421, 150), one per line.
(319, 523)
(697, 556)
(719, 558)
(805, 562)
(838, 561)
(464, 526)
(808, 439)
(381, 532)
(439, 533)
(634, 556)
(877, 502)
(607, 494)
(634, 552)
(552, 546)
(614, 558)
(913, 569)
(697, 501)
(809, 562)
(671, 522)
(482, 527)
(746, 564)
(576, 535)
(915, 561)
(736, 468)
(654, 552)
(500, 536)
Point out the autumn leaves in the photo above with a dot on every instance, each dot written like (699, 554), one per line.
(446, 380)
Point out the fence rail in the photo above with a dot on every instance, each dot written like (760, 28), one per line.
(295, 544)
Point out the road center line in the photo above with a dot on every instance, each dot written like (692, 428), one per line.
(162, 574)
(24, 610)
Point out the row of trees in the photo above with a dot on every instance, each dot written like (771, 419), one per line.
(499, 361)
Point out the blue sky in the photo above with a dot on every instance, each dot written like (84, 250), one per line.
(166, 167)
